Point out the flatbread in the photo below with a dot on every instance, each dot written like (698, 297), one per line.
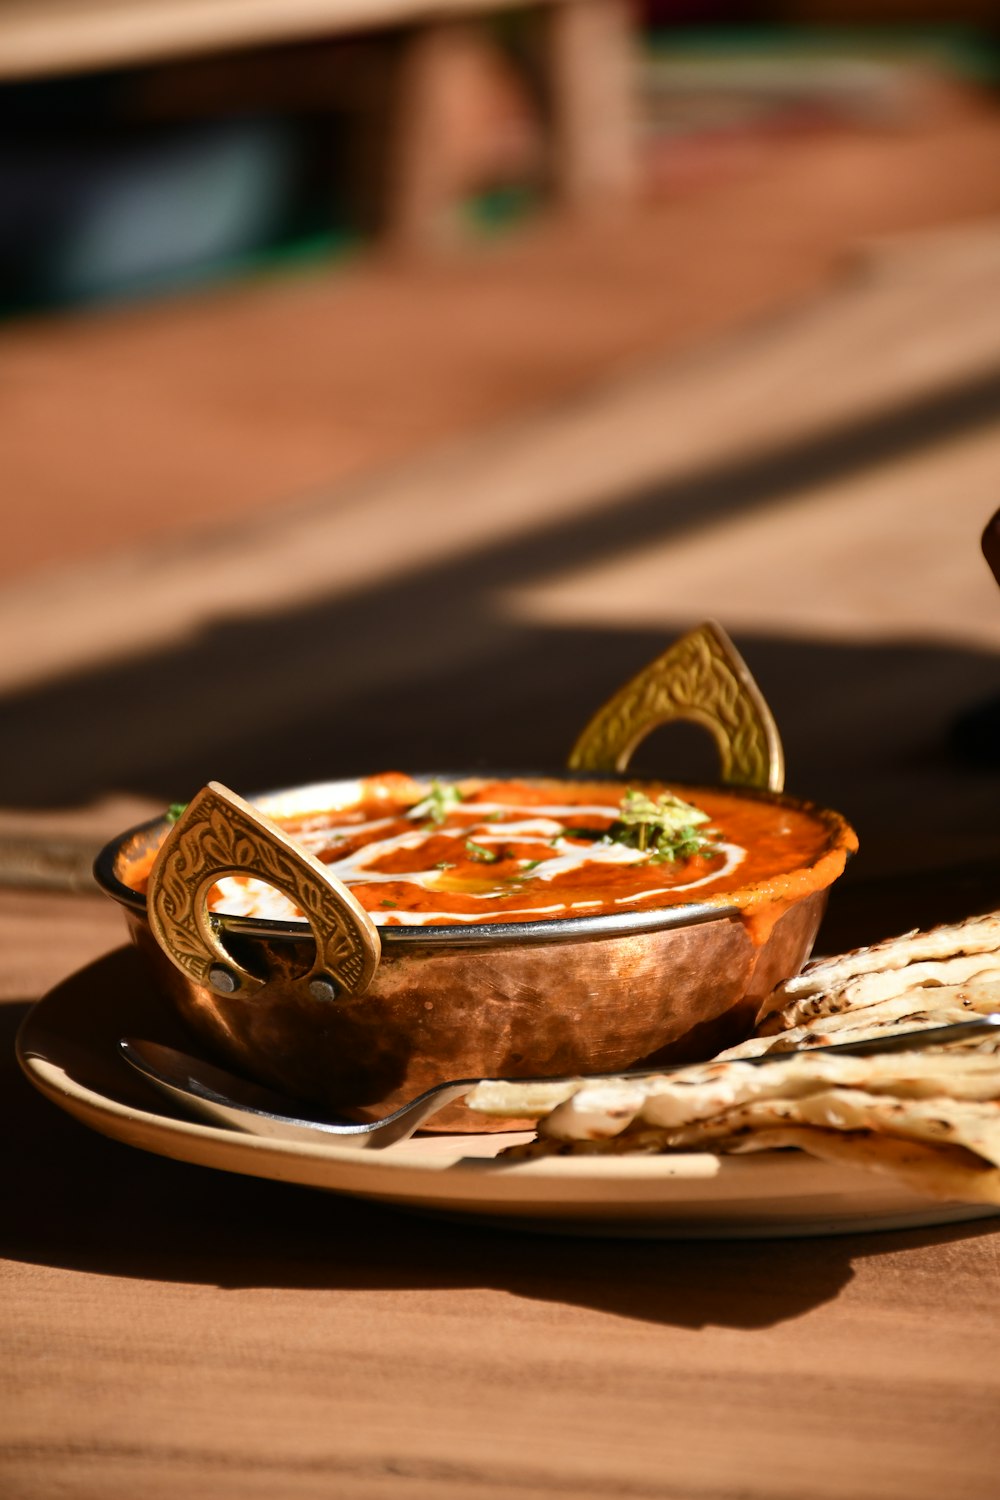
(912, 1010)
(928, 1116)
(974, 1125)
(710, 1091)
(886, 984)
(949, 941)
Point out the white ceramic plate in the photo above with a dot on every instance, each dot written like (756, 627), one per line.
(68, 1049)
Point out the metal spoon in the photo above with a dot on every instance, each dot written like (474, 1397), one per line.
(227, 1100)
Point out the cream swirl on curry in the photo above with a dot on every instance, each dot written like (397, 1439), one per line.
(487, 850)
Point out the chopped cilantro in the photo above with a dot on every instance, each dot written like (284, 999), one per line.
(175, 811)
(477, 851)
(439, 802)
(387, 902)
(666, 828)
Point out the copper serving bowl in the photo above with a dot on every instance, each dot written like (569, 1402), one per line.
(333, 1011)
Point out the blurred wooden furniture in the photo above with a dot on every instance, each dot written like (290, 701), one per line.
(580, 53)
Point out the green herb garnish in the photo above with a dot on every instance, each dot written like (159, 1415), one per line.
(387, 902)
(529, 865)
(175, 811)
(666, 828)
(439, 802)
(477, 851)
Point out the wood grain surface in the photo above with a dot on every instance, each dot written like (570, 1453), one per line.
(166, 1329)
(171, 1329)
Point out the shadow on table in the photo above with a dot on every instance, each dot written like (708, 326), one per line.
(436, 664)
(868, 729)
(432, 669)
(430, 664)
(89, 1204)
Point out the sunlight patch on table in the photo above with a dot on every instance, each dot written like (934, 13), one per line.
(892, 554)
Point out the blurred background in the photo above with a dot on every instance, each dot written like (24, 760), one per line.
(384, 382)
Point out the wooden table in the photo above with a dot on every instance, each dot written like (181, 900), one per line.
(170, 1329)
(581, 58)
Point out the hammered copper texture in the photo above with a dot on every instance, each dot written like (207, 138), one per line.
(508, 1010)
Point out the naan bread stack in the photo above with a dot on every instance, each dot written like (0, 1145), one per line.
(929, 1116)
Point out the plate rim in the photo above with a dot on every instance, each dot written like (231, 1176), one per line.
(667, 1195)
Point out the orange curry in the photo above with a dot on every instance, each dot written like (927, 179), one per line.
(507, 850)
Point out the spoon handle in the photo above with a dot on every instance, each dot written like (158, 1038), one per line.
(224, 1099)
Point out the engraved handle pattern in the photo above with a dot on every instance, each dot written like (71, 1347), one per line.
(702, 678)
(220, 834)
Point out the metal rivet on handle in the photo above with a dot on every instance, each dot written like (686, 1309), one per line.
(223, 980)
(322, 987)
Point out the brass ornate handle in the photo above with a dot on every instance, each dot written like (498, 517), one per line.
(220, 834)
(703, 678)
